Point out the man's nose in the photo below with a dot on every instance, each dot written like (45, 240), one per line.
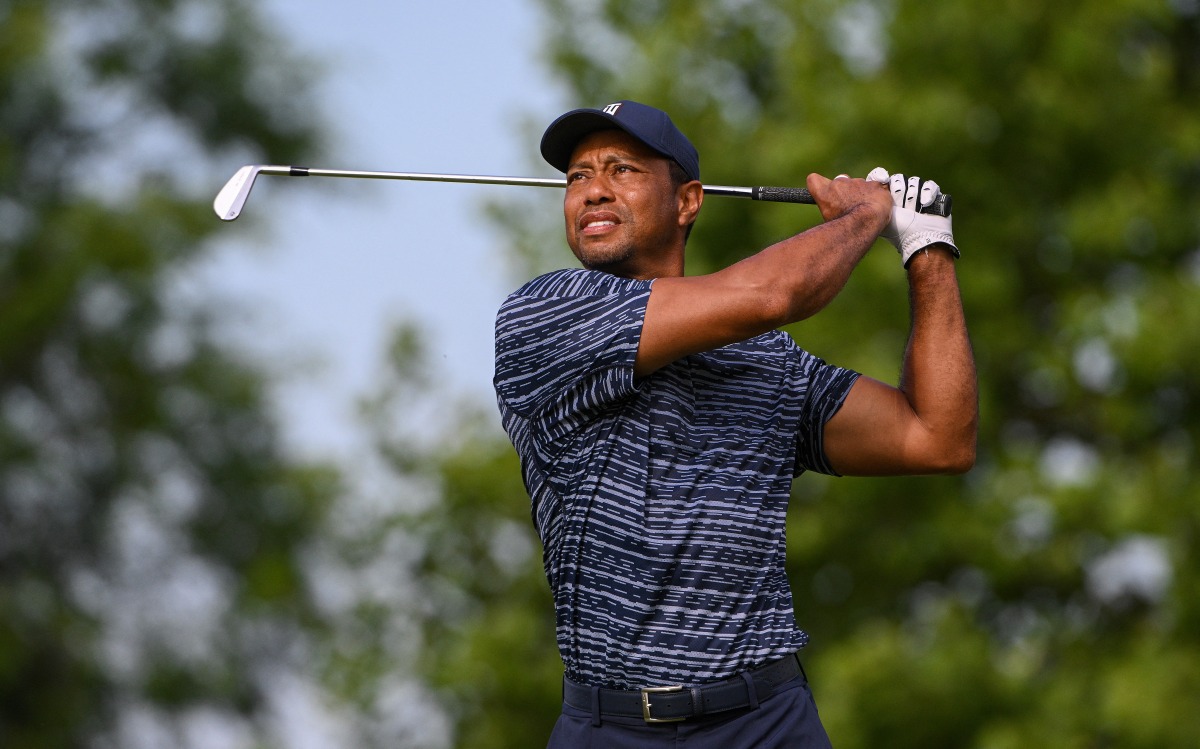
(599, 190)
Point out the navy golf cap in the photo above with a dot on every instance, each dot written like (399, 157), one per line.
(649, 125)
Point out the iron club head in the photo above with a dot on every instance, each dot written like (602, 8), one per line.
(229, 201)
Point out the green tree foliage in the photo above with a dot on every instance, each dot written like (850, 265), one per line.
(1050, 597)
(151, 585)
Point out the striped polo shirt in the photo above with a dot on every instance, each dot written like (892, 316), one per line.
(660, 501)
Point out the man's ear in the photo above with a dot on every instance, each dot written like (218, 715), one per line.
(690, 197)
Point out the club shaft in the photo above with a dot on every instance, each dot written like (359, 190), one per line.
(479, 179)
(475, 179)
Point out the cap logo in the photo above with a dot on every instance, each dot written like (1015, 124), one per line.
(611, 109)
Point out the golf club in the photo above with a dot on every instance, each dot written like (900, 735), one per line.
(232, 197)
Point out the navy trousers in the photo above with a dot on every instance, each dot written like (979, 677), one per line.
(787, 720)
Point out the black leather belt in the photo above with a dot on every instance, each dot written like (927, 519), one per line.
(676, 703)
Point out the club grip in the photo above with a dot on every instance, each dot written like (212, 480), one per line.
(782, 195)
(940, 206)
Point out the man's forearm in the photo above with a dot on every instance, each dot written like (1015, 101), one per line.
(804, 273)
(939, 377)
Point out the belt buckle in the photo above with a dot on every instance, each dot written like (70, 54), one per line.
(646, 692)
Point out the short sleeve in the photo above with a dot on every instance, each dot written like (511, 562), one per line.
(825, 387)
(567, 342)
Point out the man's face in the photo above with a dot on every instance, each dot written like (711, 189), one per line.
(621, 208)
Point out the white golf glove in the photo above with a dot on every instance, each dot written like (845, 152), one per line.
(910, 231)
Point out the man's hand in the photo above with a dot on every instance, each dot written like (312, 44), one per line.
(842, 195)
(909, 230)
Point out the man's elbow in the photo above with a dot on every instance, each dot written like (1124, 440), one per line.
(775, 305)
(962, 461)
(955, 458)
(947, 451)
(771, 307)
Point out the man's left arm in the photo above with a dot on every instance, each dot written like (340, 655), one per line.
(929, 423)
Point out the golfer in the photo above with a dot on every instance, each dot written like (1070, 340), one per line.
(660, 420)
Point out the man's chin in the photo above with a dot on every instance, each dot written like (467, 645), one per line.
(608, 261)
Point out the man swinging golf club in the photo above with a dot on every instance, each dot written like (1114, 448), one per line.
(660, 420)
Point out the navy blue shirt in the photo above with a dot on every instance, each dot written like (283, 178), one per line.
(660, 501)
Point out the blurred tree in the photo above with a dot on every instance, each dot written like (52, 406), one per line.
(152, 533)
(1049, 598)
(486, 640)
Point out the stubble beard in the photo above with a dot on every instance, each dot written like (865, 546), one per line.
(610, 253)
(607, 257)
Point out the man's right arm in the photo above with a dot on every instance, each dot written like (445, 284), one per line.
(784, 283)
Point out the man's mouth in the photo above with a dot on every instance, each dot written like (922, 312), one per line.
(598, 223)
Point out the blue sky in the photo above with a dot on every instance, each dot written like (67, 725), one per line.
(326, 267)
